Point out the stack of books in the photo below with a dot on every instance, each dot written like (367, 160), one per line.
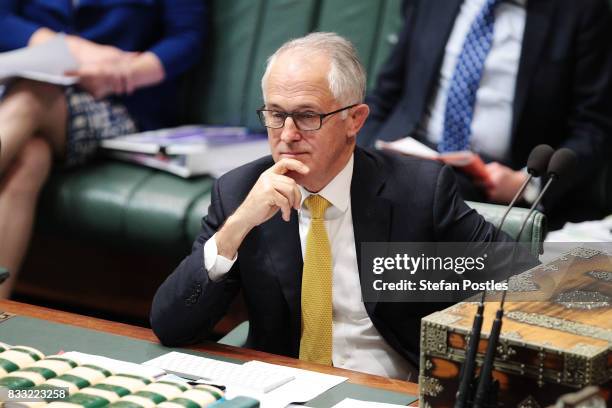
(190, 150)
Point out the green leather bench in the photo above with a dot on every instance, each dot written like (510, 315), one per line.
(115, 222)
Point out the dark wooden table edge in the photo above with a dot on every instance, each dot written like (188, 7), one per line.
(141, 333)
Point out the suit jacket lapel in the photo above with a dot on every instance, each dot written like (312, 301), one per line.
(285, 251)
(536, 30)
(371, 213)
(433, 25)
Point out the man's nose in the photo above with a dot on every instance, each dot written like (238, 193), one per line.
(290, 132)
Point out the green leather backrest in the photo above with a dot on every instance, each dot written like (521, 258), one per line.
(225, 88)
(390, 24)
(215, 91)
(280, 20)
(534, 231)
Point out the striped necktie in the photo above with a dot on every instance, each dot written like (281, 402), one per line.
(464, 84)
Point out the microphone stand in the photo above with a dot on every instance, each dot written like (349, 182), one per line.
(518, 194)
(467, 380)
(552, 178)
(488, 389)
(466, 386)
(539, 158)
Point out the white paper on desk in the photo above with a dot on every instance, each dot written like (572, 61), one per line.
(353, 403)
(306, 386)
(46, 62)
(114, 365)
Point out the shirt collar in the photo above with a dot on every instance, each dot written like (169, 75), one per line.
(337, 191)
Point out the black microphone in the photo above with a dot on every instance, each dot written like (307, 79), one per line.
(561, 164)
(536, 166)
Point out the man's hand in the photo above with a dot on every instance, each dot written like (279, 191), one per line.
(273, 191)
(505, 182)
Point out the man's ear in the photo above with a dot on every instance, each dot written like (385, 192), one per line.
(356, 119)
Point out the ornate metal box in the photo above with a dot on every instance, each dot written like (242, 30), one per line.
(546, 349)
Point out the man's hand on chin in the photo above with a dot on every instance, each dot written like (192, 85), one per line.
(273, 191)
(505, 182)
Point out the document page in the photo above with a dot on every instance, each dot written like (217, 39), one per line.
(46, 62)
(306, 386)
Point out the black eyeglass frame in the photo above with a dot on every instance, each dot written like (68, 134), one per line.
(291, 114)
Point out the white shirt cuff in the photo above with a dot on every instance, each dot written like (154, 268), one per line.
(216, 265)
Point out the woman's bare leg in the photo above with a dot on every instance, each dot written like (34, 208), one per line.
(32, 128)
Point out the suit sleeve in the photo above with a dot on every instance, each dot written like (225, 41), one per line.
(188, 304)
(590, 118)
(454, 221)
(389, 84)
(182, 43)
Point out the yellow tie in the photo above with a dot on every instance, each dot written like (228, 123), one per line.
(316, 341)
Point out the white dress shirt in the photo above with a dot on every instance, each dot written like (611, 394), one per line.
(492, 120)
(357, 345)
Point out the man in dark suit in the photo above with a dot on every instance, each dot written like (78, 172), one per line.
(299, 270)
(544, 76)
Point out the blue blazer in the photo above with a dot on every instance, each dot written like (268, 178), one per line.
(171, 29)
(393, 199)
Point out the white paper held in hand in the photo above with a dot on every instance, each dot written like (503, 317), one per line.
(46, 62)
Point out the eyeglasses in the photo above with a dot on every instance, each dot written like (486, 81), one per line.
(274, 119)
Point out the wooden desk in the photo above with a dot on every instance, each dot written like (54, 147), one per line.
(141, 333)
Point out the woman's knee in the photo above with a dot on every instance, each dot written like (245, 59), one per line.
(30, 169)
(33, 97)
(36, 89)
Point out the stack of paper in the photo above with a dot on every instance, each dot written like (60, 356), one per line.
(286, 385)
(190, 150)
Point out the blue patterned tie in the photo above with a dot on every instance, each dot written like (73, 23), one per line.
(466, 80)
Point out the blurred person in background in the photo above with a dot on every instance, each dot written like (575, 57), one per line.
(130, 55)
(499, 77)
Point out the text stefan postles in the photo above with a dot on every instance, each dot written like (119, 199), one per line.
(425, 285)
(411, 264)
